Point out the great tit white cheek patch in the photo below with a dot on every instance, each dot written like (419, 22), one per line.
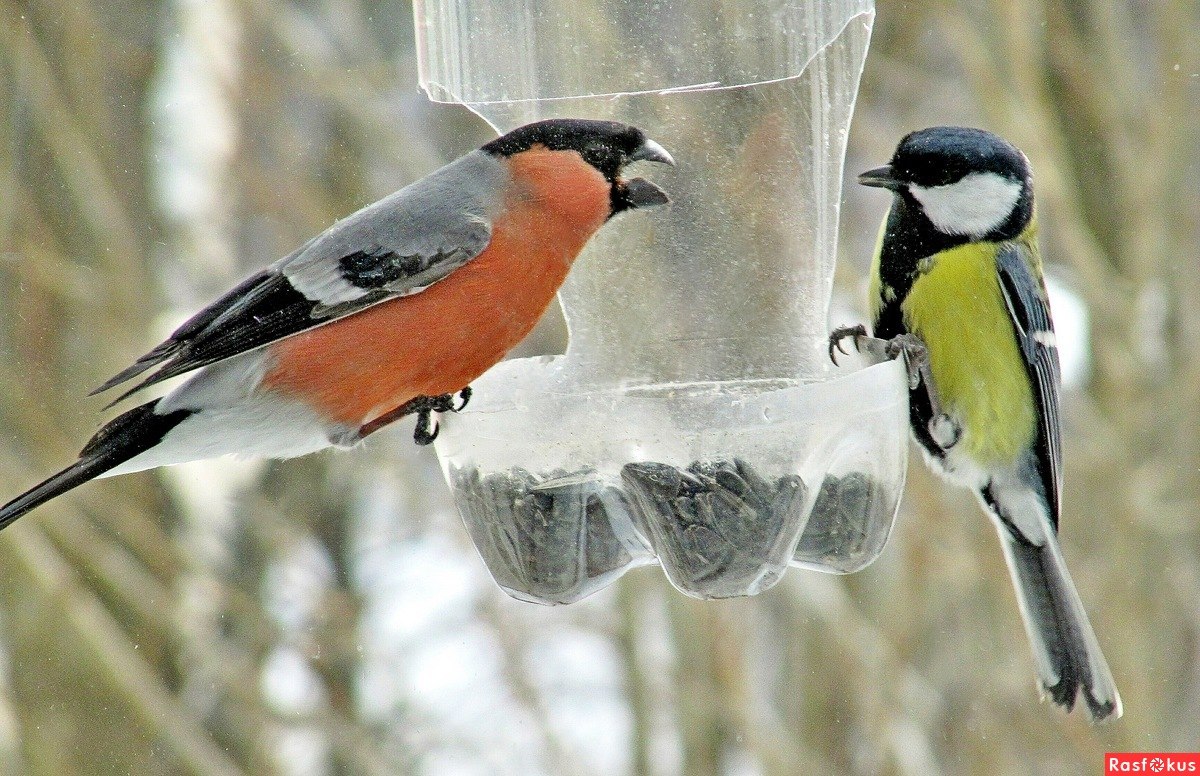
(977, 204)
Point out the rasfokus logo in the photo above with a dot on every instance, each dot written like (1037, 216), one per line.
(1151, 762)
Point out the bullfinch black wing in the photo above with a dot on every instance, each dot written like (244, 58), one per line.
(395, 247)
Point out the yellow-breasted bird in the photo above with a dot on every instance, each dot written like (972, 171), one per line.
(956, 285)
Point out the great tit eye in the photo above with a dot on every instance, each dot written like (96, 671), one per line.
(932, 173)
(943, 178)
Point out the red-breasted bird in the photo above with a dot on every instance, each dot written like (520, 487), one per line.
(391, 311)
(957, 285)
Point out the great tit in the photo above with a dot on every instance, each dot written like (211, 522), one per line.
(956, 286)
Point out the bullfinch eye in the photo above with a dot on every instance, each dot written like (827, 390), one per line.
(604, 158)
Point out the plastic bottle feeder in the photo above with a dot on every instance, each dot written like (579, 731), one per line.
(695, 420)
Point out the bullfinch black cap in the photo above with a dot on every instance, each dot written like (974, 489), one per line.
(606, 145)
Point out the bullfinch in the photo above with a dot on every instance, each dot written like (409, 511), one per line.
(392, 311)
(956, 285)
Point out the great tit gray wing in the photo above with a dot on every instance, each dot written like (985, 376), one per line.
(1029, 307)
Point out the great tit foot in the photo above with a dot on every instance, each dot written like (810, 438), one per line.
(908, 344)
(840, 333)
(916, 362)
(916, 357)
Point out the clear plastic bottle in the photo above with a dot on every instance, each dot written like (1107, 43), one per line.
(695, 420)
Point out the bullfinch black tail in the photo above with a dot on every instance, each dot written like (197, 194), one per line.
(122, 438)
(1065, 649)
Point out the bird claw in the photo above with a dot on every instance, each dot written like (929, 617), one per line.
(422, 434)
(427, 429)
(908, 345)
(464, 396)
(840, 333)
(878, 350)
(423, 407)
(916, 363)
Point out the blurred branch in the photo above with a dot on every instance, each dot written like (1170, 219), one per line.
(637, 684)
(560, 758)
(97, 200)
(27, 548)
(907, 700)
(702, 701)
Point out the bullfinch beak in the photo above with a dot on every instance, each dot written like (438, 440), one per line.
(652, 152)
(640, 193)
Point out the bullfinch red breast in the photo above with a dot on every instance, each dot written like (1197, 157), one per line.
(392, 311)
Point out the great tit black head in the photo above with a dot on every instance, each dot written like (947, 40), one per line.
(966, 182)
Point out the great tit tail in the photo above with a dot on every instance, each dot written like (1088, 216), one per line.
(1065, 648)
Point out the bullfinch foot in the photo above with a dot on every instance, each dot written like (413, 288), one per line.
(464, 396)
(423, 407)
(427, 430)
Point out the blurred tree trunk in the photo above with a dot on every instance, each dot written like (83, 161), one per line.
(76, 77)
(332, 644)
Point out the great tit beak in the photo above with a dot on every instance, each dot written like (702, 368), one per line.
(639, 193)
(880, 178)
(651, 151)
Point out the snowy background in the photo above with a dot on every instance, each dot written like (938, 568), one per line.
(329, 615)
